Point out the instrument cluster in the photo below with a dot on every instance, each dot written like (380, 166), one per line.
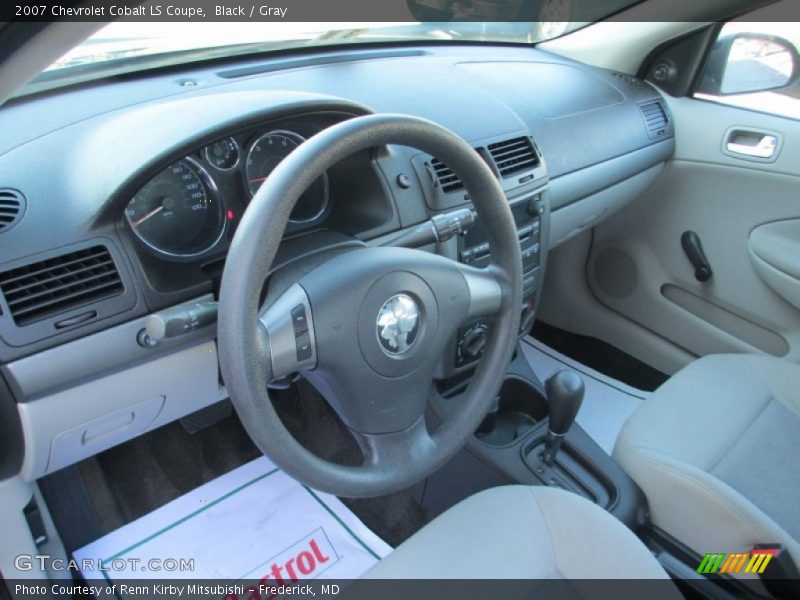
(189, 209)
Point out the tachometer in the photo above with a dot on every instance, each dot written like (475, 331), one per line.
(178, 212)
(264, 155)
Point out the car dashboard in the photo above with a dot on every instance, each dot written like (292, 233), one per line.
(128, 193)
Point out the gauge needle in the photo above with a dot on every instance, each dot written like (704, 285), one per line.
(152, 213)
(257, 179)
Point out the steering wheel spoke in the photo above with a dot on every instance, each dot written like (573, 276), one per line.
(409, 446)
(290, 328)
(485, 291)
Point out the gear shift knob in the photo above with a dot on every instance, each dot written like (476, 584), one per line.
(564, 397)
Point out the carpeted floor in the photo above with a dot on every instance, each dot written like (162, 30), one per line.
(601, 357)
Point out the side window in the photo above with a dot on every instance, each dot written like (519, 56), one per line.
(755, 65)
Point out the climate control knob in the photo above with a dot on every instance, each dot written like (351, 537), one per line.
(536, 207)
(472, 342)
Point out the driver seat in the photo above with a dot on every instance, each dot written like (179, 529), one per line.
(522, 532)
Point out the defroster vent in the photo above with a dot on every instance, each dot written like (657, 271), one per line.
(56, 285)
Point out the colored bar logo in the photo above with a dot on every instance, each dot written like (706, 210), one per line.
(736, 562)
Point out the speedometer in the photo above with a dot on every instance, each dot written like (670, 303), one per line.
(177, 212)
(264, 155)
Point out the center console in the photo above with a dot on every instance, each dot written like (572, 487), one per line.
(521, 171)
(473, 249)
(529, 437)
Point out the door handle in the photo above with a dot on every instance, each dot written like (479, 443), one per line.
(751, 144)
(693, 248)
(765, 148)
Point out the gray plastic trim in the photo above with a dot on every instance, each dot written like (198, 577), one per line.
(90, 357)
(567, 189)
(68, 426)
(278, 322)
(585, 214)
(728, 321)
(485, 293)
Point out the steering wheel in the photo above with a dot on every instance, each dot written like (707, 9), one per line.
(367, 327)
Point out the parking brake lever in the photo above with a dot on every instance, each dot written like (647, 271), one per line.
(693, 248)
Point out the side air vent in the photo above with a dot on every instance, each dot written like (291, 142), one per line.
(655, 118)
(58, 284)
(12, 205)
(448, 180)
(512, 156)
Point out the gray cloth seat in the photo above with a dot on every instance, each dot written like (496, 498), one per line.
(521, 532)
(715, 450)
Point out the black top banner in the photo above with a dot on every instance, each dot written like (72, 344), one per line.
(376, 10)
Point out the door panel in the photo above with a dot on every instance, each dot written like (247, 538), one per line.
(746, 213)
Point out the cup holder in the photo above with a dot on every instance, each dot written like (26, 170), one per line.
(519, 407)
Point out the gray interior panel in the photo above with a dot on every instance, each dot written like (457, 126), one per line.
(90, 357)
(580, 184)
(80, 421)
(778, 244)
(745, 215)
(583, 215)
(568, 92)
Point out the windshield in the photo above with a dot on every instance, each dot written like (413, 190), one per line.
(125, 47)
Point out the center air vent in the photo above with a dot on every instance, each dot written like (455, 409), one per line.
(12, 205)
(655, 118)
(448, 180)
(58, 284)
(512, 156)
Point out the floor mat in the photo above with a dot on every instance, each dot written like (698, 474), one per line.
(131, 480)
(250, 523)
(607, 402)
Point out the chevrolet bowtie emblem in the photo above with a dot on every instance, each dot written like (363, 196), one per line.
(398, 324)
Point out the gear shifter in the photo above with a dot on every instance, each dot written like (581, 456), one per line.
(564, 397)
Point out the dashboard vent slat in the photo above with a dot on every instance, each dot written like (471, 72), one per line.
(449, 181)
(12, 206)
(53, 286)
(514, 155)
(655, 118)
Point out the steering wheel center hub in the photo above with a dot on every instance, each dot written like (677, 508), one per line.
(398, 321)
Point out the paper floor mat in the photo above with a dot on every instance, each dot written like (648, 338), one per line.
(251, 523)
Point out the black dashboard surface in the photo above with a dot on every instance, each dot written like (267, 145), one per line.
(81, 155)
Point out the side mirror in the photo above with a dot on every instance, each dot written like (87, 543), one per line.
(743, 63)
